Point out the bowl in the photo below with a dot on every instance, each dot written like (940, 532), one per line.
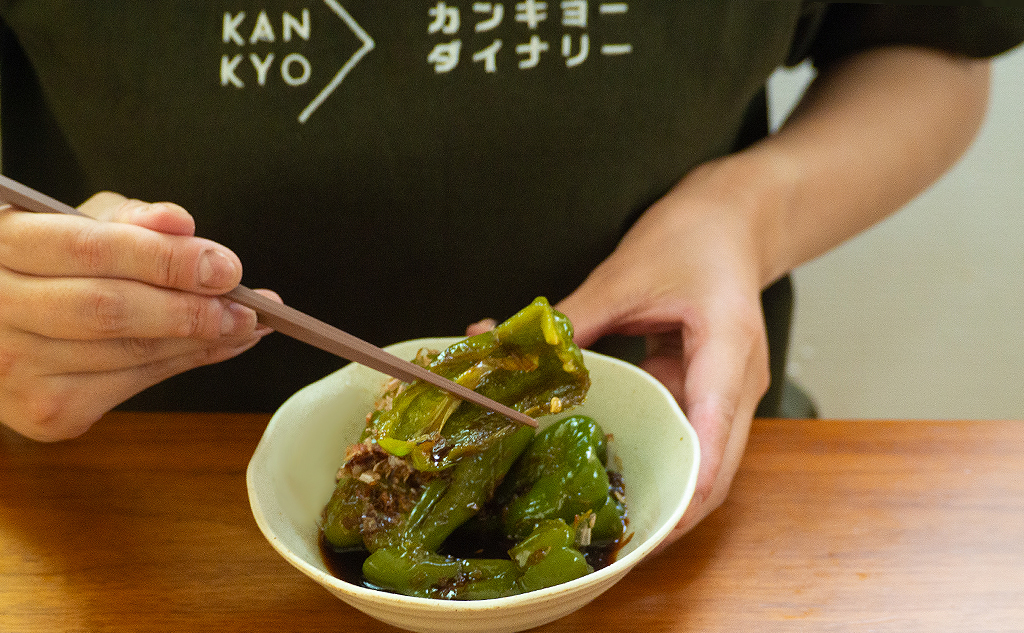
(291, 477)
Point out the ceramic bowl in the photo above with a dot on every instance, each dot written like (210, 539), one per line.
(291, 477)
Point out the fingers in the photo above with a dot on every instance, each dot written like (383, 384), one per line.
(726, 369)
(93, 312)
(42, 355)
(590, 310)
(163, 217)
(53, 245)
(79, 308)
(726, 374)
(63, 406)
(484, 325)
(53, 389)
(708, 347)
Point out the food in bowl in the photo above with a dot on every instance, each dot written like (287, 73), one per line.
(442, 499)
(291, 476)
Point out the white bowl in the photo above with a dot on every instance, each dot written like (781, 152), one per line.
(291, 477)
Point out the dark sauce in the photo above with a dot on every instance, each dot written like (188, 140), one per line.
(347, 564)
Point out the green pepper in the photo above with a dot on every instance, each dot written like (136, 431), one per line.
(609, 522)
(529, 363)
(472, 483)
(341, 520)
(429, 461)
(562, 475)
(546, 557)
(425, 574)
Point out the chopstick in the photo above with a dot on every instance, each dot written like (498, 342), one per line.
(292, 322)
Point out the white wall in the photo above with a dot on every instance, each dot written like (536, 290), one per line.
(923, 315)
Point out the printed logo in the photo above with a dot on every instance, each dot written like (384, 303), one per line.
(241, 31)
(491, 28)
(464, 37)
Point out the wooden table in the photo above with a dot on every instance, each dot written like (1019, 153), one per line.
(143, 525)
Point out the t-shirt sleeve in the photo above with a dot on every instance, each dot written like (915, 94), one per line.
(831, 31)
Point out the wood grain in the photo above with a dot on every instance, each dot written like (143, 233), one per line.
(143, 525)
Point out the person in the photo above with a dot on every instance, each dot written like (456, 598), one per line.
(410, 169)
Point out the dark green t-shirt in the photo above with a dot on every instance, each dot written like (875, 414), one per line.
(403, 169)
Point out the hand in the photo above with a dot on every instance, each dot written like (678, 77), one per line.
(92, 313)
(687, 277)
(689, 273)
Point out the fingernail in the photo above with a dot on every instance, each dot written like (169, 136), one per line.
(216, 270)
(235, 319)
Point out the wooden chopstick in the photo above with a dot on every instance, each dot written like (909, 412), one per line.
(292, 322)
(301, 326)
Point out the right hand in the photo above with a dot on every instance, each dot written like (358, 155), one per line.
(92, 313)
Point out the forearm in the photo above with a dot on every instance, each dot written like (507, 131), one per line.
(868, 136)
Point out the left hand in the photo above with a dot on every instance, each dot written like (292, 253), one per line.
(687, 277)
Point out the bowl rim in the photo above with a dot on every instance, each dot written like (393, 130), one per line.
(619, 567)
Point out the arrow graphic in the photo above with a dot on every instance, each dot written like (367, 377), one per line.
(367, 46)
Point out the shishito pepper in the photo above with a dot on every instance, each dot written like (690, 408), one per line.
(561, 476)
(428, 461)
(529, 362)
(546, 557)
(557, 499)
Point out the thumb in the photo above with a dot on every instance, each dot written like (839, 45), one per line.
(589, 309)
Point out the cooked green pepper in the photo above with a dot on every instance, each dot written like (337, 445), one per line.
(545, 558)
(609, 521)
(428, 463)
(419, 572)
(417, 442)
(529, 363)
(456, 499)
(562, 475)
(548, 556)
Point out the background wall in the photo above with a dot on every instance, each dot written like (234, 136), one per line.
(923, 315)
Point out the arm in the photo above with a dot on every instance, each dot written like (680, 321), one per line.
(866, 139)
(872, 132)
